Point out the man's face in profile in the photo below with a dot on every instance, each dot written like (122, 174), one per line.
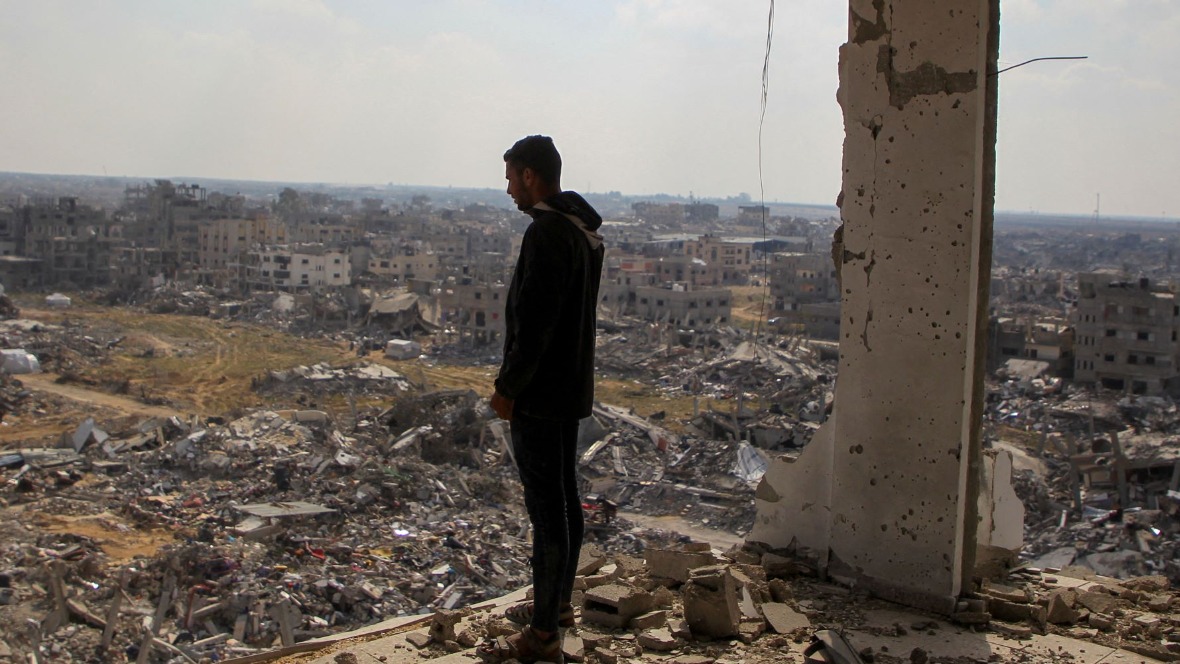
(517, 188)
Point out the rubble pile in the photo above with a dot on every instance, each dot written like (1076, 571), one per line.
(360, 378)
(691, 603)
(268, 529)
(1099, 480)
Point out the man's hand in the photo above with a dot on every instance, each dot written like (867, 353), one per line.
(502, 405)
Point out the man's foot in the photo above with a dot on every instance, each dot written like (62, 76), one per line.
(526, 647)
(522, 614)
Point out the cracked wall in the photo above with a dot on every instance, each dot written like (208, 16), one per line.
(896, 510)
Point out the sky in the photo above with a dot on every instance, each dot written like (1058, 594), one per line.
(641, 96)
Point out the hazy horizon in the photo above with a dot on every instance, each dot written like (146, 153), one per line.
(640, 95)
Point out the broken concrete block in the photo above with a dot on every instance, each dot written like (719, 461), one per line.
(783, 619)
(675, 565)
(590, 559)
(660, 640)
(1060, 610)
(1015, 612)
(650, 620)
(1147, 583)
(1008, 593)
(1098, 621)
(442, 625)
(711, 603)
(1159, 603)
(749, 631)
(572, 648)
(1148, 623)
(593, 640)
(1099, 601)
(615, 605)
(680, 628)
(606, 656)
(418, 639)
(1011, 630)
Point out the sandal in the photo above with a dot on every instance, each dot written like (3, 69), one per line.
(522, 614)
(524, 647)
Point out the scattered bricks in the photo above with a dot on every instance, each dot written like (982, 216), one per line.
(1011, 631)
(418, 639)
(1159, 603)
(1132, 596)
(1007, 593)
(1099, 621)
(675, 565)
(1099, 601)
(590, 559)
(1060, 610)
(627, 646)
(606, 574)
(467, 638)
(500, 628)
(442, 625)
(606, 656)
(1013, 612)
(629, 566)
(1148, 623)
(749, 630)
(660, 640)
(453, 646)
(783, 619)
(594, 640)
(710, 603)
(1083, 632)
(1149, 584)
(615, 605)
(650, 620)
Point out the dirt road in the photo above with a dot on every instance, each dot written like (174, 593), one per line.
(44, 382)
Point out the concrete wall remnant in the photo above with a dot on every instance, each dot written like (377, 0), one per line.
(886, 493)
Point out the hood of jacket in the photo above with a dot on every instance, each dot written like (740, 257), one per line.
(572, 206)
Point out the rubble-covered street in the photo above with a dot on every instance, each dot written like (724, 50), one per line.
(132, 538)
(353, 490)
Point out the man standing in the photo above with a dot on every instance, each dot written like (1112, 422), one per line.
(546, 384)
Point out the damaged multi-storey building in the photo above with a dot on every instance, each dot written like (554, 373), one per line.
(1127, 334)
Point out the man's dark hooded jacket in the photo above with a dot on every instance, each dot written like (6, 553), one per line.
(550, 315)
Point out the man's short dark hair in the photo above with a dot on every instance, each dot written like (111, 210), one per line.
(538, 153)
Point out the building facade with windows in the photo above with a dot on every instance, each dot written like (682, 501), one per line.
(1126, 335)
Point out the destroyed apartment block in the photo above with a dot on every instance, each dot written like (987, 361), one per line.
(474, 312)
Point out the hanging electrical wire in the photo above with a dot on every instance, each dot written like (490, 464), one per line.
(1052, 57)
(761, 185)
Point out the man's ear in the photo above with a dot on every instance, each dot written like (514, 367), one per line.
(528, 176)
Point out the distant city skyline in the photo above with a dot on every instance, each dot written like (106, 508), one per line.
(643, 97)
